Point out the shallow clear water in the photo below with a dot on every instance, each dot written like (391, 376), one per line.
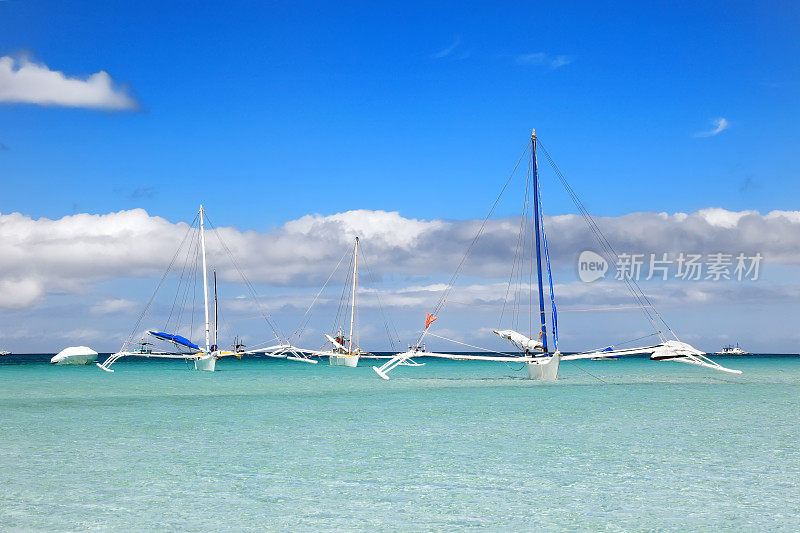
(281, 445)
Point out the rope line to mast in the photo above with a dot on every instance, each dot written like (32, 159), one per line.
(637, 293)
(307, 316)
(249, 285)
(472, 346)
(457, 272)
(386, 321)
(158, 286)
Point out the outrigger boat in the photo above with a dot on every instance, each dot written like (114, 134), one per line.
(204, 357)
(341, 349)
(342, 355)
(533, 350)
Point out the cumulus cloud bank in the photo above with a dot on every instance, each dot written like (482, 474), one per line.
(27, 82)
(71, 254)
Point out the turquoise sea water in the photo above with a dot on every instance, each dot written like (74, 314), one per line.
(269, 444)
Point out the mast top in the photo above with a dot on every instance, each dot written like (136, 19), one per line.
(533, 133)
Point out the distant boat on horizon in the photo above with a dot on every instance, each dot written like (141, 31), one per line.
(730, 349)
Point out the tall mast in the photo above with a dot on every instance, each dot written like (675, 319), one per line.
(537, 231)
(216, 311)
(353, 302)
(205, 278)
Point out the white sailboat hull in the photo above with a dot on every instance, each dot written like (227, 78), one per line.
(544, 369)
(343, 360)
(207, 363)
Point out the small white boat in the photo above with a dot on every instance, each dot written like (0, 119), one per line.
(4, 352)
(75, 355)
(732, 350)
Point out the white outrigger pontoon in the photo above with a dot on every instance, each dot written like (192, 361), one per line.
(203, 357)
(533, 350)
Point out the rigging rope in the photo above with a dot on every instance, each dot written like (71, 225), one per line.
(158, 286)
(631, 284)
(455, 275)
(301, 328)
(582, 370)
(386, 321)
(471, 346)
(249, 285)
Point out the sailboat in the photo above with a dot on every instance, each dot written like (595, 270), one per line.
(342, 355)
(533, 349)
(343, 349)
(203, 357)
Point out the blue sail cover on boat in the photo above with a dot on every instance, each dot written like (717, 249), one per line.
(177, 339)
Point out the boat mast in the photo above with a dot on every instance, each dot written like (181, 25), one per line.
(205, 278)
(216, 311)
(353, 301)
(537, 231)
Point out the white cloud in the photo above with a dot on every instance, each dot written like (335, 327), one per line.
(76, 252)
(447, 51)
(34, 83)
(542, 59)
(51, 271)
(723, 218)
(114, 305)
(719, 125)
(19, 293)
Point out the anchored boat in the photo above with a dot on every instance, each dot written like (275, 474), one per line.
(203, 357)
(341, 349)
(532, 348)
(732, 350)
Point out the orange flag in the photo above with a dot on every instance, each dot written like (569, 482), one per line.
(430, 319)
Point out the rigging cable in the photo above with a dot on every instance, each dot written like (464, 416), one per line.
(249, 285)
(307, 316)
(158, 286)
(633, 287)
(380, 306)
(455, 275)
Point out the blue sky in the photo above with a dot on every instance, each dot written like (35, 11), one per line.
(270, 112)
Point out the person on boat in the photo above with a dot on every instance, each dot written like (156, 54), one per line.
(340, 339)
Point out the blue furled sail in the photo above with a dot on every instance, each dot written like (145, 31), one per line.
(552, 293)
(536, 221)
(177, 339)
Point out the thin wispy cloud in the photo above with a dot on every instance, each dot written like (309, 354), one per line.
(449, 50)
(543, 59)
(720, 125)
(26, 82)
(143, 192)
